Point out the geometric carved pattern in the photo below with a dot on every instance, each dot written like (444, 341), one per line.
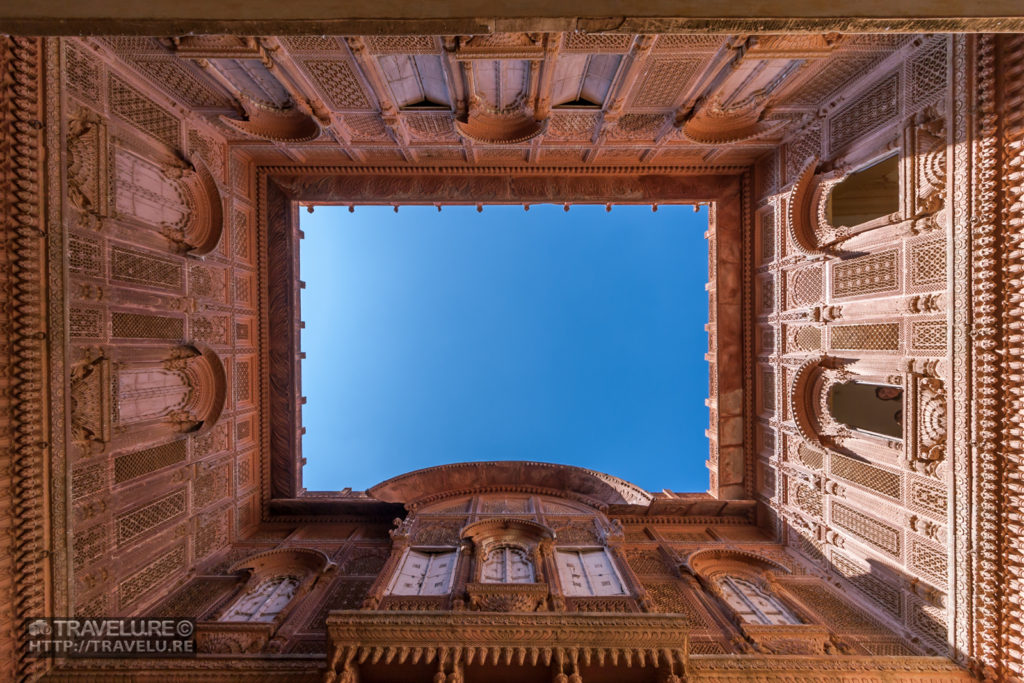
(928, 263)
(572, 125)
(767, 236)
(84, 256)
(808, 338)
(140, 326)
(927, 497)
(877, 534)
(242, 385)
(648, 562)
(137, 109)
(805, 286)
(928, 72)
(86, 481)
(928, 560)
(877, 337)
(807, 499)
(858, 472)
(339, 83)
(767, 303)
(82, 73)
(133, 524)
(834, 611)
(193, 600)
(345, 594)
(213, 329)
(869, 111)
(663, 82)
(798, 152)
(212, 485)
(768, 389)
(866, 275)
(929, 335)
(929, 621)
(85, 322)
(154, 573)
(670, 598)
(401, 45)
(211, 533)
(89, 545)
(365, 562)
(240, 235)
(881, 592)
(596, 42)
(179, 81)
(139, 463)
(810, 457)
(130, 265)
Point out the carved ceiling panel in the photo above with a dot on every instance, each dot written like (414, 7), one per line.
(545, 99)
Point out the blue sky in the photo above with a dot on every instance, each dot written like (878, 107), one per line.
(571, 337)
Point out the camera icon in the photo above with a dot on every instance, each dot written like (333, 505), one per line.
(39, 627)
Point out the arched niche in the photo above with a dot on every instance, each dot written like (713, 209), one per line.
(831, 404)
(508, 573)
(180, 200)
(274, 124)
(185, 389)
(828, 208)
(869, 407)
(715, 123)
(275, 580)
(145, 393)
(427, 486)
(205, 225)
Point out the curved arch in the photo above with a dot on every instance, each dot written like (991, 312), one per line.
(202, 231)
(496, 129)
(487, 529)
(805, 200)
(708, 562)
(308, 561)
(208, 381)
(716, 125)
(804, 401)
(275, 125)
(433, 483)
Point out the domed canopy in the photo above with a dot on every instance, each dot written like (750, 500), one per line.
(432, 483)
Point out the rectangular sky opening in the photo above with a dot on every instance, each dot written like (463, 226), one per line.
(569, 337)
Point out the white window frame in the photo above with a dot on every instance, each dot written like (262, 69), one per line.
(432, 552)
(580, 551)
(508, 550)
(257, 615)
(733, 584)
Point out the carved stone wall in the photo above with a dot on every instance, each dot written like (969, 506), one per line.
(136, 169)
(871, 304)
(163, 309)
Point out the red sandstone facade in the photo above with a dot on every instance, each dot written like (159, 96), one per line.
(862, 514)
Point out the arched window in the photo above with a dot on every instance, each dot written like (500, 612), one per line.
(868, 194)
(753, 605)
(264, 601)
(875, 408)
(507, 564)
